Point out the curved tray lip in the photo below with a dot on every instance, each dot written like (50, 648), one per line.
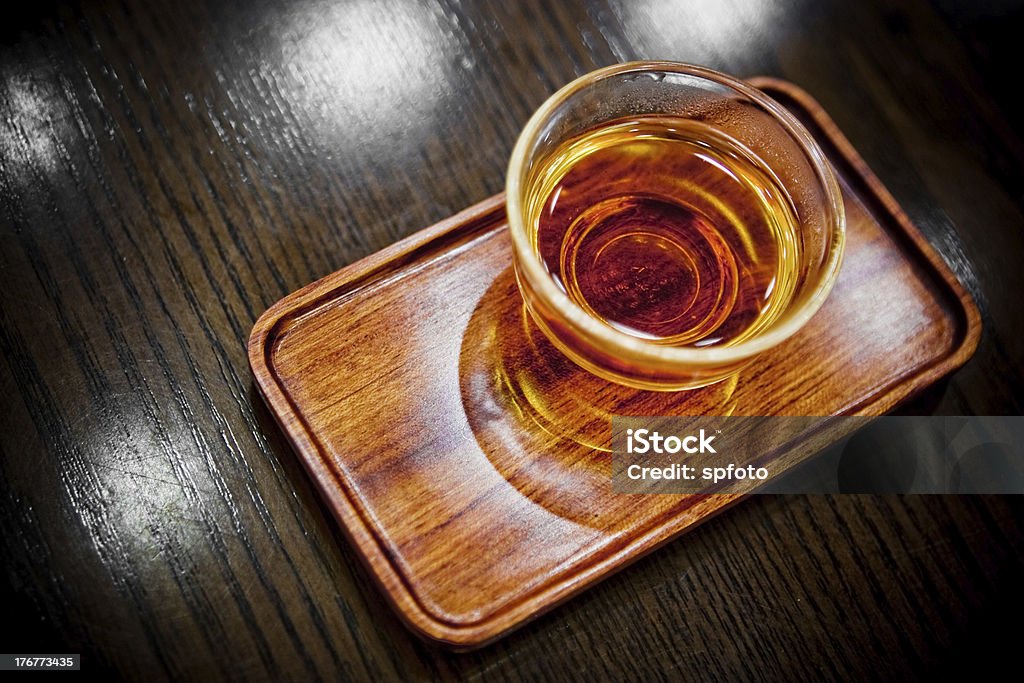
(330, 484)
(485, 218)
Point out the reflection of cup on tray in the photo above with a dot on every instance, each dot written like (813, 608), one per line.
(669, 223)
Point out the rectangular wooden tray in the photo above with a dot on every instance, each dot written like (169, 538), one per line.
(465, 459)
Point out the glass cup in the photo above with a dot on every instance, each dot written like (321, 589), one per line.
(670, 223)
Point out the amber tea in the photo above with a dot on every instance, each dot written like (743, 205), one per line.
(667, 229)
(670, 223)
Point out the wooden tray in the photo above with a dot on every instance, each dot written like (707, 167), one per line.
(463, 456)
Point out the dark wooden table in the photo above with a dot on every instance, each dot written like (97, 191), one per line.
(169, 170)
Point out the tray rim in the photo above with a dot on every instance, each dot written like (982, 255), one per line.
(485, 219)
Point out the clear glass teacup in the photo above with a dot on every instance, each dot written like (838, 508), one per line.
(670, 223)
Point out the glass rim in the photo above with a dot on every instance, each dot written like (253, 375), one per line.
(634, 348)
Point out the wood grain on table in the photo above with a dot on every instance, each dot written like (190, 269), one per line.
(167, 171)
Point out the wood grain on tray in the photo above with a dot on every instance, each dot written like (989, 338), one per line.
(466, 459)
